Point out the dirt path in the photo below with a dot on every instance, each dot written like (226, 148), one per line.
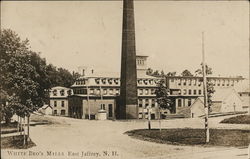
(98, 137)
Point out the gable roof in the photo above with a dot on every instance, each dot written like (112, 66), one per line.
(201, 99)
(221, 94)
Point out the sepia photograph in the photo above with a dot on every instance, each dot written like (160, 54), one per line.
(125, 79)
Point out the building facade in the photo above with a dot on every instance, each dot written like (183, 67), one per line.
(59, 100)
(185, 90)
(97, 92)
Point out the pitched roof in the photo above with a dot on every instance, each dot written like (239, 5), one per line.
(222, 93)
(243, 86)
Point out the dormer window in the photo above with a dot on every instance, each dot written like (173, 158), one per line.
(140, 81)
(69, 92)
(116, 81)
(104, 81)
(97, 81)
(62, 92)
(110, 81)
(54, 92)
(151, 82)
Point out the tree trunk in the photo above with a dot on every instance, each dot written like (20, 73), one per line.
(7, 120)
(21, 126)
(24, 138)
(28, 131)
(149, 120)
(18, 126)
(160, 120)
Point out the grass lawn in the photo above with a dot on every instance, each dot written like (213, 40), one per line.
(14, 142)
(218, 137)
(241, 119)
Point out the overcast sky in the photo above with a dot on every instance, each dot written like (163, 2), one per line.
(72, 34)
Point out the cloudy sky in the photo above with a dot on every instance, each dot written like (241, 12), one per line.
(88, 33)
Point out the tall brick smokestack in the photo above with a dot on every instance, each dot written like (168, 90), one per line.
(128, 108)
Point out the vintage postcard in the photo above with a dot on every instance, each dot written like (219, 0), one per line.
(125, 79)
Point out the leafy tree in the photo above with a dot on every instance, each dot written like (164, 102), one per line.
(149, 71)
(162, 73)
(156, 73)
(17, 76)
(162, 98)
(186, 73)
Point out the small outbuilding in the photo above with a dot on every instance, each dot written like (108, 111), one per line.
(197, 108)
(226, 100)
(46, 110)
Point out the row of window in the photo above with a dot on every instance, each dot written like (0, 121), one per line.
(146, 91)
(191, 92)
(62, 103)
(153, 116)
(104, 91)
(147, 103)
(116, 81)
(181, 102)
(62, 92)
(63, 112)
(140, 62)
(194, 82)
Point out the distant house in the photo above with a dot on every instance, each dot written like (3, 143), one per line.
(226, 100)
(243, 89)
(223, 100)
(46, 109)
(197, 108)
(59, 100)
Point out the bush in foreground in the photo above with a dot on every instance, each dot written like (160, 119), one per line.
(218, 137)
(15, 142)
(241, 119)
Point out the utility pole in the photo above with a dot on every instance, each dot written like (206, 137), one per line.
(205, 90)
(88, 97)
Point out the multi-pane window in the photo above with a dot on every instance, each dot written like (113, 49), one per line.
(140, 115)
(62, 103)
(189, 91)
(117, 91)
(110, 81)
(140, 102)
(69, 92)
(105, 91)
(184, 83)
(110, 91)
(146, 91)
(54, 92)
(199, 92)
(141, 91)
(146, 102)
(179, 102)
(153, 103)
(62, 92)
(97, 81)
(195, 92)
(152, 91)
(98, 91)
(55, 103)
(184, 92)
(189, 102)
(62, 112)
(103, 106)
